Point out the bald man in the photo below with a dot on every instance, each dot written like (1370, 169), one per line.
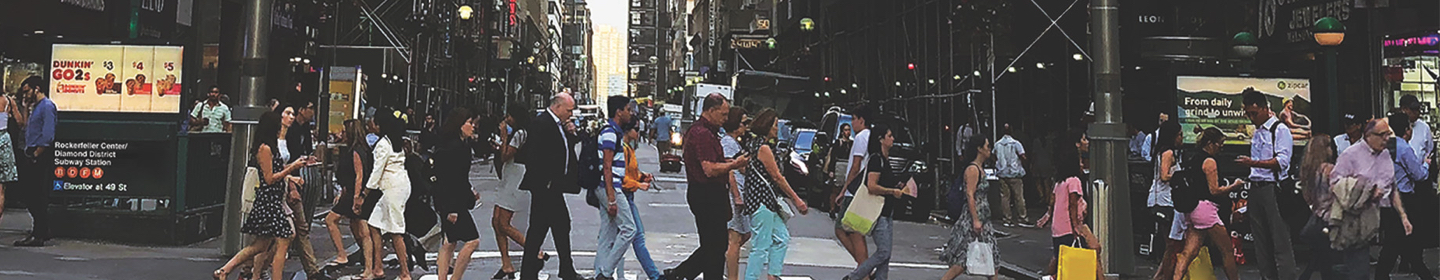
(551, 166)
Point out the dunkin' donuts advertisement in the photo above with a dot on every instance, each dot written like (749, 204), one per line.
(116, 78)
(1205, 102)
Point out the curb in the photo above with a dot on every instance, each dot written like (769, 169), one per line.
(1014, 271)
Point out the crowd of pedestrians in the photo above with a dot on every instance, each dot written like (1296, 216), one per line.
(738, 194)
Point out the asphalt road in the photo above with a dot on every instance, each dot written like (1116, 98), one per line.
(813, 254)
(669, 224)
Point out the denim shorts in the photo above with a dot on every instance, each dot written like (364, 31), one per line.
(739, 222)
(844, 204)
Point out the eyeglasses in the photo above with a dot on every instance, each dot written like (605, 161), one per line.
(1386, 134)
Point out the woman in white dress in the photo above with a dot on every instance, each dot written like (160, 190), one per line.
(511, 198)
(390, 178)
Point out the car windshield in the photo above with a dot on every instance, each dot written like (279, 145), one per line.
(803, 140)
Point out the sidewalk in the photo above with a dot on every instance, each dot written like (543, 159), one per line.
(1027, 251)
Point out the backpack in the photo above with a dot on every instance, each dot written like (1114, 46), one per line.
(591, 176)
(1189, 185)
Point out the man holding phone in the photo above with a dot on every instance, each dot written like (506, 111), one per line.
(1269, 161)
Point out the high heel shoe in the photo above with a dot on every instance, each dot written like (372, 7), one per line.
(502, 275)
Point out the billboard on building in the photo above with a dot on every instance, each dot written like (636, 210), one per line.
(1204, 102)
(116, 78)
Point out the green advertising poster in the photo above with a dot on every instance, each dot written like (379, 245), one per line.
(1204, 102)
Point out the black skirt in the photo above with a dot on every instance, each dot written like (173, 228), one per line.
(345, 207)
(371, 198)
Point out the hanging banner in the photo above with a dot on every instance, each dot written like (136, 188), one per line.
(116, 78)
(1205, 102)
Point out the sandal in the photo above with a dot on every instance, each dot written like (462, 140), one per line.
(502, 275)
(220, 274)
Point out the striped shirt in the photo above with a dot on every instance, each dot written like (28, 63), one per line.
(610, 141)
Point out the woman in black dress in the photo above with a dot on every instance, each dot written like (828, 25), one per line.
(453, 195)
(350, 171)
(267, 220)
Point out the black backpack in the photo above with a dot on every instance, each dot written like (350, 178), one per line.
(590, 176)
(1189, 185)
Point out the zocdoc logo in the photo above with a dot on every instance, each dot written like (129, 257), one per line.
(1292, 85)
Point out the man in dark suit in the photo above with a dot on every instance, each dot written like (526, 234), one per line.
(550, 151)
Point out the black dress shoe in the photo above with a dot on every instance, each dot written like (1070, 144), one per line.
(31, 241)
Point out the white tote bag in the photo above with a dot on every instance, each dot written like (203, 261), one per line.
(247, 195)
(979, 260)
(864, 207)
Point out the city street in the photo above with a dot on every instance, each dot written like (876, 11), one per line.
(813, 254)
(670, 235)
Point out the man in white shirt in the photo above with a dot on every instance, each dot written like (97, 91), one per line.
(1353, 128)
(1009, 164)
(1420, 139)
(854, 242)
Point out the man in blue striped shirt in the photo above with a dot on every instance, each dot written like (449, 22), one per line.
(617, 222)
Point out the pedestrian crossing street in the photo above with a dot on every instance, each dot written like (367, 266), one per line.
(628, 276)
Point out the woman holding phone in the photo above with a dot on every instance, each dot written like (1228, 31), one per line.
(267, 220)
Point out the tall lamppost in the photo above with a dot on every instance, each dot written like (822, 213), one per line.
(1329, 33)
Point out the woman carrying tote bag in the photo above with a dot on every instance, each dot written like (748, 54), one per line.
(972, 226)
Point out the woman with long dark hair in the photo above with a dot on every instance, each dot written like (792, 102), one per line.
(453, 195)
(267, 220)
(1068, 207)
(390, 177)
(973, 223)
(1203, 217)
(511, 198)
(880, 179)
(764, 185)
(350, 172)
(1167, 160)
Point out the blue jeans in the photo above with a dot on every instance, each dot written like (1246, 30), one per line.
(770, 240)
(641, 253)
(879, 262)
(616, 234)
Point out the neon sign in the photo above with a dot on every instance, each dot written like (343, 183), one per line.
(513, 19)
(1426, 40)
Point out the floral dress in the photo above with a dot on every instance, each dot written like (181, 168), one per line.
(267, 217)
(962, 234)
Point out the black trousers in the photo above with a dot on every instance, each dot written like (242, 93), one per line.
(37, 180)
(712, 211)
(1397, 244)
(548, 212)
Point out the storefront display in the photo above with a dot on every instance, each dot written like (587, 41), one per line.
(1412, 65)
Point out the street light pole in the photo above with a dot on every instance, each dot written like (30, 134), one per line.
(1108, 159)
(1329, 33)
(253, 65)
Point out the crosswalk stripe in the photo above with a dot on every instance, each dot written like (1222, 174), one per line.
(670, 179)
(432, 257)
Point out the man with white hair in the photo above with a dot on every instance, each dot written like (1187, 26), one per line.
(551, 166)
